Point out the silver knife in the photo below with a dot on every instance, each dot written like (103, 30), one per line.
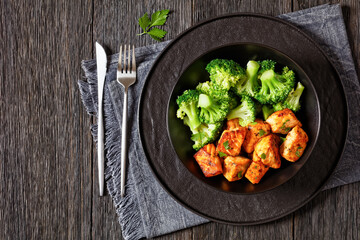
(101, 61)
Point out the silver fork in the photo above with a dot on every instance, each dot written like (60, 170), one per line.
(126, 77)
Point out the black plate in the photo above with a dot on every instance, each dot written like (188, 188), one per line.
(242, 53)
(194, 193)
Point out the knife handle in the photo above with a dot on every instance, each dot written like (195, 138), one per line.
(100, 146)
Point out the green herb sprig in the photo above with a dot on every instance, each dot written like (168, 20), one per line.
(226, 145)
(221, 154)
(158, 18)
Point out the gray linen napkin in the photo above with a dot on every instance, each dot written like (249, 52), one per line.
(147, 210)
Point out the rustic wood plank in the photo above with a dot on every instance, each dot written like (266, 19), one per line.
(116, 22)
(281, 229)
(209, 8)
(46, 147)
(334, 214)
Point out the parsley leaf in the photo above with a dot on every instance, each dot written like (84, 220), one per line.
(221, 154)
(283, 127)
(261, 132)
(240, 174)
(226, 145)
(144, 21)
(263, 155)
(253, 123)
(282, 139)
(157, 33)
(299, 147)
(158, 18)
(297, 153)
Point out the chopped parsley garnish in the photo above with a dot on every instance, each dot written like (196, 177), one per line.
(261, 132)
(226, 145)
(283, 127)
(263, 155)
(297, 153)
(221, 154)
(240, 174)
(299, 147)
(255, 167)
(253, 123)
(282, 139)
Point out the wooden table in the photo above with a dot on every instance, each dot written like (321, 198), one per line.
(48, 170)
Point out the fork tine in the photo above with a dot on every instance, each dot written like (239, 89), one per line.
(119, 62)
(133, 60)
(128, 66)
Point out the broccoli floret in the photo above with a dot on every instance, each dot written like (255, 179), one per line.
(267, 111)
(275, 87)
(188, 110)
(225, 73)
(266, 65)
(213, 102)
(245, 111)
(293, 100)
(206, 133)
(212, 109)
(250, 85)
(258, 107)
(279, 106)
(233, 100)
(206, 87)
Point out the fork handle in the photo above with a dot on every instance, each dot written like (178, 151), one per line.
(123, 143)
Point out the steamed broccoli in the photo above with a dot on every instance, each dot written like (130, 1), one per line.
(233, 100)
(258, 107)
(212, 109)
(245, 111)
(188, 110)
(250, 85)
(206, 87)
(213, 102)
(278, 106)
(206, 133)
(292, 101)
(266, 65)
(267, 111)
(275, 87)
(225, 73)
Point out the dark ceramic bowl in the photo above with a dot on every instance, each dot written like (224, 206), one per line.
(180, 134)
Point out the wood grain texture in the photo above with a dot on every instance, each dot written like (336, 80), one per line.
(46, 166)
(48, 170)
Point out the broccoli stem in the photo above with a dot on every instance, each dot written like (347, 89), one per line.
(267, 111)
(252, 84)
(252, 68)
(191, 113)
(293, 100)
(204, 101)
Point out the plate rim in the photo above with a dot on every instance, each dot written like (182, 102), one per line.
(346, 110)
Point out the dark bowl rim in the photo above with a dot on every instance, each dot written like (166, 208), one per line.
(147, 154)
(297, 66)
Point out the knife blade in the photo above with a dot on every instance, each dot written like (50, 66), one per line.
(101, 61)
